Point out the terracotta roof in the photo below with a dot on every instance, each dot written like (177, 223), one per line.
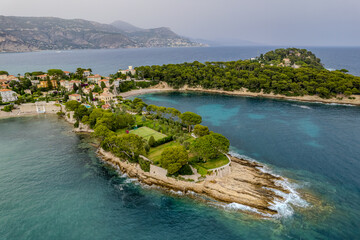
(75, 95)
(5, 90)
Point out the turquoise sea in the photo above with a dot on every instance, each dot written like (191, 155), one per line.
(52, 185)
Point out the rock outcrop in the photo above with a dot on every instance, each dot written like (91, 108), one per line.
(246, 184)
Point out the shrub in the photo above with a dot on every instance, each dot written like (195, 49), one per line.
(152, 141)
(8, 108)
(76, 124)
(147, 148)
(185, 170)
(60, 113)
(163, 141)
(186, 145)
(144, 165)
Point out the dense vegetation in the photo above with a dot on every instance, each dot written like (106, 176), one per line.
(300, 57)
(119, 132)
(311, 79)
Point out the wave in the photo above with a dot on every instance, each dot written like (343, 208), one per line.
(283, 207)
(301, 106)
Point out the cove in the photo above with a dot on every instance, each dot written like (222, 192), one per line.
(53, 186)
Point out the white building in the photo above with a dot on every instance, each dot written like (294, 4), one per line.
(8, 95)
(86, 73)
(129, 70)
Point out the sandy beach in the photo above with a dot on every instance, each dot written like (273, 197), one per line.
(164, 87)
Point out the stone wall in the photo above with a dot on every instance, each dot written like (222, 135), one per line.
(221, 171)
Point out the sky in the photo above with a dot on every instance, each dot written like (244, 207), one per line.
(266, 22)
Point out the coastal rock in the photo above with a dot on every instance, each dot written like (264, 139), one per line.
(246, 184)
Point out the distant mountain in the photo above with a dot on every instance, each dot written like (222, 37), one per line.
(126, 27)
(156, 37)
(21, 34)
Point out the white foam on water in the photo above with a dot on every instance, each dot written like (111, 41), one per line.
(336, 104)
(291, 199)
(283, 207)
(130, 180)
(238, 206)
(301, 106)
(180, 193)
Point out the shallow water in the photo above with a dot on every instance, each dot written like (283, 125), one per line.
(52, 186)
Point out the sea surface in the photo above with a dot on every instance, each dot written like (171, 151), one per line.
(52, 185)
(108, 61)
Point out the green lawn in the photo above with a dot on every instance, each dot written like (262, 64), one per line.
(146, 133)
(214, 163)
(155, 153)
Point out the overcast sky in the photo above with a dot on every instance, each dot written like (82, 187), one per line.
(275, 22)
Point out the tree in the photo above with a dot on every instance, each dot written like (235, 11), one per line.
(103, 85)
(49, 83)
(222, 144)
(173, 158)
(97, 89)
(204, 148)
(126, 145)
(91, 96)
(200, 130)
(75, 87)
(95, 115)
(72, 105)
(103, 132)
(55, 72)
(210, 146)
(151, 141)
(80, 112)
(190, 118)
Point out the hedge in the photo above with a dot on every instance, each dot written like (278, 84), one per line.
(145, 165)
(163, 141)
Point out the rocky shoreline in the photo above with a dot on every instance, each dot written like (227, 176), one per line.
(247, 185)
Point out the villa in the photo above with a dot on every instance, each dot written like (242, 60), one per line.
(95, 78)
(105, 81)
(8, 95)
(129, 70)
(68, 85)
(43, 77)
(86, 73)
(76, 97)
(106, 96)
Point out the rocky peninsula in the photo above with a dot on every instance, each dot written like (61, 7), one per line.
(246, 184)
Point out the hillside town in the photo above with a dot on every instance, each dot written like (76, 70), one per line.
(61, 86)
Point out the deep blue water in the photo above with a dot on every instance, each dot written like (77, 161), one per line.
(52, 186)
(107, 61)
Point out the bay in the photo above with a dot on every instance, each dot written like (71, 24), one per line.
(52, 185)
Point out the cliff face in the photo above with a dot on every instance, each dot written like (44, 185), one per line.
(19, 34)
